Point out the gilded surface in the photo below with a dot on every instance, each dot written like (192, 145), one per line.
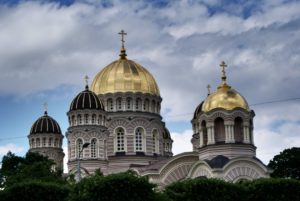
(225, 97)
(124, 75)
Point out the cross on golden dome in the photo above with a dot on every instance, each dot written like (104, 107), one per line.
(208, 90)
(223, 65)
(123, 51)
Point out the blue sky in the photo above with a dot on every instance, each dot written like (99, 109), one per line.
(47, 47)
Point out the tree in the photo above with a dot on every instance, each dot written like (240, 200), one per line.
(116, 187)
(286, 164)
(31, 167)
(35, 191)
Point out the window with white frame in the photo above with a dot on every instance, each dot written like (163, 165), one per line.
(129, 103)
(79, 144)
(119, 103)
(32, 143)
(50, 142)
(79, 120)
(56, 143)
(94, 148)
(139, 139)
(44, 142)
(120, 140)
(86, 118)
(93, 119)
(38, 142)
(110, 106)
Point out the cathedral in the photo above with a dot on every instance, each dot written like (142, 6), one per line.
(115, 125)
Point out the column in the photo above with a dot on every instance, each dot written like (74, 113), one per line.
(209, 135)
(227, 139)
(201, 138)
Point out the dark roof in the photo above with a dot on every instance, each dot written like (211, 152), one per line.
(45, 124)
(86, 100)
(198, 109)
(218, 161)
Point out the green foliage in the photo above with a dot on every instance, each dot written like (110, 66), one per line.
(32, 167)
(116, 187)
(286, 164)
(273, 190)
(204, 190)
(35, 191)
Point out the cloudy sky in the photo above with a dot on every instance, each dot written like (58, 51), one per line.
(47, 47)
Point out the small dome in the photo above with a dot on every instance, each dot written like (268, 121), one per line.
(45, 124)
(86, 100)
(124, 75)
(198, 109)
(226, 98)
(166, 134)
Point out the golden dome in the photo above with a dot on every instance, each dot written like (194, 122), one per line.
(225, 97)
(124, 75)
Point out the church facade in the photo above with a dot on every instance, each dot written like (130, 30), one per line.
(115, 125)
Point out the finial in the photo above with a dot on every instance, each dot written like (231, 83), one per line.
(208, 90)
(223, 65)
(123, 51)
(86, 78)
(46, 108)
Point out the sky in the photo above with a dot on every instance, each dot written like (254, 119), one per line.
(47, 47)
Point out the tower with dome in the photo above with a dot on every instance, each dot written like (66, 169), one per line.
(115, 125)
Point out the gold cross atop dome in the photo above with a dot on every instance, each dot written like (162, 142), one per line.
(223, 65)
(123, 51)
(208, 89)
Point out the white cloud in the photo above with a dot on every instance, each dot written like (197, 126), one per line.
(182, 142)
(4, 149)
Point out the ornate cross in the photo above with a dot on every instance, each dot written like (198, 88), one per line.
(86, 78)
(46, 107)
(223, 65)
(122, 33)
(208, 89)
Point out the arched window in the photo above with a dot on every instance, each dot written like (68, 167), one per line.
(50, 142)
(153, 106)
(44, 142)
(120, 140)
(204, 131)
(79, 144)
(69, 149)
(73, 121)
(138, 104)
(93, 119)
(79, 119)
(100, 120)
(129, 104)
(86, 118)
(38, 142)
(94, 148)
(158, 108)
(139, 139)
(119, 104)
(56, 142)
(238, 129)
(110, 106)
(219, 130)
(32, 143)
(155, 142)
(146, 105)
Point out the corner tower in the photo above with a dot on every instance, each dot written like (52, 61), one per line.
(87, 120)
(45, 138)
(223, 124)
(132, 101)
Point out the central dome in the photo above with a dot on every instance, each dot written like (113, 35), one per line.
(124, 75)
